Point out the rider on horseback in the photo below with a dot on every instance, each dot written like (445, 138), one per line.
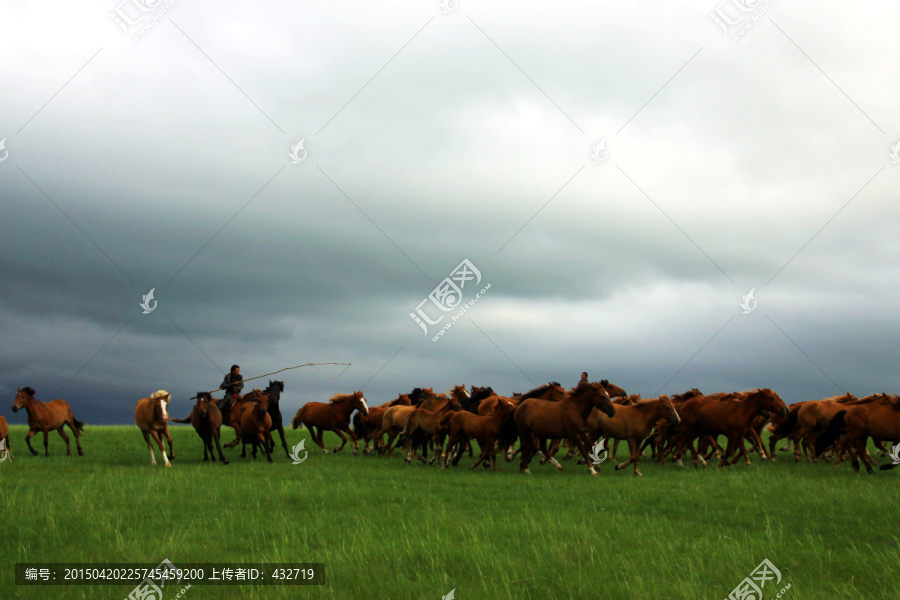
(232, 384)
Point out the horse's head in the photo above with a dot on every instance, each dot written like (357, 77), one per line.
(599, 398)
(505, 408)
(22, 397)
(769, 401)
(160, 401)
(667, 411)
(274, 391)
(262, 402)
(460, 392)
(613, 390)
(359, 403)
(402, 400)
(203, 401)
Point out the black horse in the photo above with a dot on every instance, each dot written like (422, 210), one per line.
(274, 393)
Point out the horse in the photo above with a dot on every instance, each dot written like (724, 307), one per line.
(465, 425)
(333, 416)
(256, 425)
(274, 393)
(871, 416)
(4, 437)
(365, 426)
(784, 427)
(394, 419)
(48, 416)
(614, 391)
(424, 425)
(538, 420)
(207, 421)
(731, 417)
(663, 440)
(812, 418)
(632, 423)
(552, 392)
(152, 416)
(231, 416)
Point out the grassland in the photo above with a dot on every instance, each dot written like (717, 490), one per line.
(386, 529)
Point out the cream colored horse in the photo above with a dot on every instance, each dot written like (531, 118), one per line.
(152, 416)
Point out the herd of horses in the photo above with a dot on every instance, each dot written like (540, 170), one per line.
(539, 421)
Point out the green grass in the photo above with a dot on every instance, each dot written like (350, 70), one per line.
(386, 529)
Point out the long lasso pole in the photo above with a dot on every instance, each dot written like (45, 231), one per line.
(279, 371)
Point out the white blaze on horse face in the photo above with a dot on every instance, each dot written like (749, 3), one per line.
(163, 405)
(365, 406)
(466, 392)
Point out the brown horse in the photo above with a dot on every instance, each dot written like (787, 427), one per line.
(231, 417)
(662, 442)
(468, 426)
(539, 420)
(632, 423)
(552, 392)
(784, 427)
(152, 416)
(877, 417)
(256, 425)
(4, 438)
(207, 421)
(333, 416)
(366, 425)
(733, 418)
(47, 417)
(424, 426)
(395, 417)
(812, 418)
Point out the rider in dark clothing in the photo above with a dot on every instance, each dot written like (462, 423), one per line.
(232, 384)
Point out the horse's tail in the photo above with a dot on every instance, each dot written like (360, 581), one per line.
(188, 420)
(297, 421)
(357, 423)
(78, 424)
(831, 433)
(787, 426)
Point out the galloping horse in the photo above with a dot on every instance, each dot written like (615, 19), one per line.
(48, 416)
(632, 423)
(424, 425)
(207, 421)
(876, 416)
(274, 393)
(539, 420)
(465, 425)
(365, 426)
(334, 416)
(152, 416)
(713, 415)
(256, 425)
(812, 418)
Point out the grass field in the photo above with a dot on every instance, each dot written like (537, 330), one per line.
(386, 529)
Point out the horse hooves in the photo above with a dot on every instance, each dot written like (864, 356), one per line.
(224, 462)
(559, 468)
(168, 465)
(594, 474)
(528, 471)
(80, 453)
(205, 459)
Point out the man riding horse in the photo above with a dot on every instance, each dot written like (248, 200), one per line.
(232, 384)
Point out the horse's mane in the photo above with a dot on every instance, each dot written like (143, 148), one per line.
(29, 390)
(630, 400)
(881, 398)
(841, 399)
(483, 393)
(158, 394)
(341, 397)
(538, 390)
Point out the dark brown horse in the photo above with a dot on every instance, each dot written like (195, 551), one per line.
(4, 438)
(540, 420)
(733, 418)
(47, 417)
(366, 425)
(207, 422)
(423, 426)
(256, 425)
(274, 393)
(151, 415)
(876, 416)
(333, 416)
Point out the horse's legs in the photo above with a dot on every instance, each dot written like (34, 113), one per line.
(584, 453)
(264, 442)
(633, 444)
(743, 452)
(206, 445)
(149, 446)
(28, 437)
(215, 436)
(759, 445)
(352, 435)
(161, 448)
(71, 424)
(343, 440)
(46, 433)
(630, 458)
(169, 439)
(65, 438)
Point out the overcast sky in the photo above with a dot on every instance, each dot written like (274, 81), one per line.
(431, 137)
